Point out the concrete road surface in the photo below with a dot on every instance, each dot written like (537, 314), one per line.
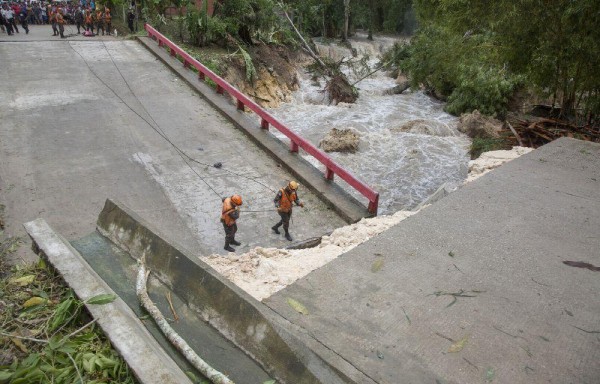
(474, 288)
(83, 119)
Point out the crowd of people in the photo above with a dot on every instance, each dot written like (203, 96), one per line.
(85, 15)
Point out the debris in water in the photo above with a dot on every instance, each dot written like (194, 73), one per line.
(581, 264)
(569, 312)
(445, 337)
(218, 165)
(459, 345)
(451, 254)
(297, 306)
(544, 338)
(379, 354)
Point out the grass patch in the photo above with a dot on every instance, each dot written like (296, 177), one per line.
(46, 335)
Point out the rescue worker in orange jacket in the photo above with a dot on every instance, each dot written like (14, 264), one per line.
(284, 201)
(60, 21)
(107, 20)
(99, 22)
(88, 20)
(229, 214)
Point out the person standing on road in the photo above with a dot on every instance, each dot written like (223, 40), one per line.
(89, 21)
(24, 15)
(78, 19)
(9, 18)
(130, 19)
(60, 20)
(99, 22)
(284, 201)
(229, 214)
(4, 24)
(52, 13)
(107, 20)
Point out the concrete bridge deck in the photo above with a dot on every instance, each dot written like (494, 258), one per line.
(82, 119)
(472, 289)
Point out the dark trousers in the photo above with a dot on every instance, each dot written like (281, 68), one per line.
(285, 220)
(54, 28)
(24, 25)
(108, 28)
(99, 26)
(230, 231)
(130, 25)
(14, 24)
(61, 30)
(89, 27)
(9, 28)
(78, 27)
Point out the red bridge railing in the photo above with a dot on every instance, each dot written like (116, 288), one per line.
(243, 101)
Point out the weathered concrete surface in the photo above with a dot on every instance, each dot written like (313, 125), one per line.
(350, 209)
(143, 354)
(73, 132)
(385, 308)
(119, 271)
(273, 342)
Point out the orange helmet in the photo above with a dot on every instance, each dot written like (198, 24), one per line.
(236, 199)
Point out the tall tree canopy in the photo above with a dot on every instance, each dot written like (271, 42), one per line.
(477, 53)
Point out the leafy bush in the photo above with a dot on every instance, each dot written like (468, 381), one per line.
(486, 89)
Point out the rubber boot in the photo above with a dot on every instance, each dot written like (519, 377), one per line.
(275, 229)
(287, 236)
(228, 248)
(234, 242)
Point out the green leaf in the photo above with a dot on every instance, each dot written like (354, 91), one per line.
(269, 382)
(101, 299)
(377, 264)
(22, 281)
(459, 345)
(297, 306)
(5, 375)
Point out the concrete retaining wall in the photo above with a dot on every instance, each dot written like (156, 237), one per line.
(246, 322)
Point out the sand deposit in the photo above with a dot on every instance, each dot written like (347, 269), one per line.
(493, 159)
(264, 271)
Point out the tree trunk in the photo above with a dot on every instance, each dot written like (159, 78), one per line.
(346, 18)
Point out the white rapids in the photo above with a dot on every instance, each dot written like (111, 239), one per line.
(404, 167)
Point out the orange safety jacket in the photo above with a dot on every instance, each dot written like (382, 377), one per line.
(51, 17)
(88, 18)
(107, 16)
(227, 209)
(99, 17)
(60, 19)
(285, 204)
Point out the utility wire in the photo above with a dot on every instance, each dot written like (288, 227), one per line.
(164, 135)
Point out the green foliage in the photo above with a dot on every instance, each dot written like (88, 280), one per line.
(550, 47)
(250, 69)
(484, 88)
(67, 347)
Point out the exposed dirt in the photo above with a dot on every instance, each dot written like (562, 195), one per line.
(276, 74)
(477, 125)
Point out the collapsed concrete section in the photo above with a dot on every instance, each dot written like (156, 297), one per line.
(285, 351)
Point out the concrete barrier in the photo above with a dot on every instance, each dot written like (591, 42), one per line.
(148, 361)
(265, 336)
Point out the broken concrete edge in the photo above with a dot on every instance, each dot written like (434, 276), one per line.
(333, 195)
(147, 360)
(261, 333)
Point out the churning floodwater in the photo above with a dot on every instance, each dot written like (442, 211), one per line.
(409, 146)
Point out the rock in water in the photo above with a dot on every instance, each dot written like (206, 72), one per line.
(477, 125)
(340, 140)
